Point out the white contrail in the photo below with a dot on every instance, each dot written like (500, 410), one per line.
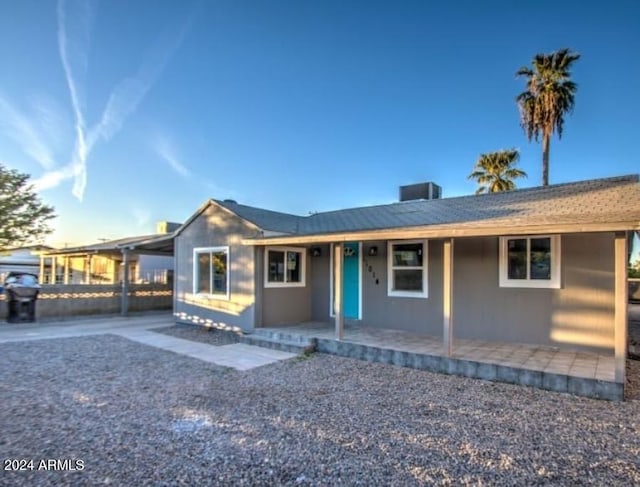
(24, 132)
(51, 179)
(124, 98)
(128, 94)
(79, 48)
(81, 57)
(167, 152)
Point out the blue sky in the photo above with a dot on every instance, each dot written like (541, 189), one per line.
(126, 113)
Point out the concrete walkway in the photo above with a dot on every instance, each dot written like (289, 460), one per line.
(138, 328)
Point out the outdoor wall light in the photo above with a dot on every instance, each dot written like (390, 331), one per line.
(373, 251)
(316, 251)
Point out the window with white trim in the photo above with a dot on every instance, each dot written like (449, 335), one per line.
(211, 272)
(531, 261)
(284, 267)
(407, 268)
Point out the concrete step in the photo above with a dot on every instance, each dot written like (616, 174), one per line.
(295, 345)
(282, 336)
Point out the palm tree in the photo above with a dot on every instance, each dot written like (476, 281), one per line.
(495, 171)
(550, 94)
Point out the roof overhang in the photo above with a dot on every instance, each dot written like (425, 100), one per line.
(445, 231)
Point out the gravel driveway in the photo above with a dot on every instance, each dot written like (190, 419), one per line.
(136, 415)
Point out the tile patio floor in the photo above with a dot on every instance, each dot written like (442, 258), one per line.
(545, 359)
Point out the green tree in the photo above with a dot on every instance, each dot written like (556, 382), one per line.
(550, 94)
(495, 171)
(24, 218)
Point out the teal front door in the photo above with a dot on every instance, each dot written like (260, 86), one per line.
(351, 280)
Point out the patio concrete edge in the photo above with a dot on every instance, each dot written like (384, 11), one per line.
(592, 388)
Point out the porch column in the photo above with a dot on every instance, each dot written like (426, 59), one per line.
(621, 304)
(41, 273)
(90, 257)
(447, 297)
(54, 269)
(66, 271)
(124, 300)
(338, 256)
(87, 269)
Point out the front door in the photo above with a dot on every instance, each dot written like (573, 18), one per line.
(351, 280)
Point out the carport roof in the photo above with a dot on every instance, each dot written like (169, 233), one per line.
(160, 244)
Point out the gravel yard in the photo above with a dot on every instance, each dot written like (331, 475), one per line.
(136, 415)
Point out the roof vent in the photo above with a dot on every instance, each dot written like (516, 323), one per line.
(230, 201)
(420, 191)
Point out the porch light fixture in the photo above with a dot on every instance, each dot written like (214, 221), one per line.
(373, 251)
(316, 251)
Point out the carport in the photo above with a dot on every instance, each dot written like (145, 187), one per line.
(160, 245)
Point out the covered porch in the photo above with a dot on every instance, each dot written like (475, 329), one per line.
(581, 373)
(468, 324)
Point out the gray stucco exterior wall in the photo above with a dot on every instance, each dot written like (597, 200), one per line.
(281, 305)
(421, 315)
(579, 315)
(286, 305)
(217, 227)
(320, 287)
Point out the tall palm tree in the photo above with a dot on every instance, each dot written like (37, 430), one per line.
(495, 171)
(550, 94)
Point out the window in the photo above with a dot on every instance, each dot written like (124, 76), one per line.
(211, 272)
(284, 267)
(530, 261)
(407, 269)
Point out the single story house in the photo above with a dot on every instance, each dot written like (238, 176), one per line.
(543, 266)
(143, 258)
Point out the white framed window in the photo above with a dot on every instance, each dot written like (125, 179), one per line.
(211, 272)
(407, 268)
(284, 266)
(530, 261)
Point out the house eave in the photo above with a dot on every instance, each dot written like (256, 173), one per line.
(445, 231)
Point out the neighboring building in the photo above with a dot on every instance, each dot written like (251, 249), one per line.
(542, 266)
(21, 259)
(149, 259)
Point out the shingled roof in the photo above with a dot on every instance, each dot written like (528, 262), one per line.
(265, 219)
(595, 201)
(613, 203)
